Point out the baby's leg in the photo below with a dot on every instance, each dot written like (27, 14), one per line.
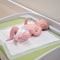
(12, 33)
(24, 36)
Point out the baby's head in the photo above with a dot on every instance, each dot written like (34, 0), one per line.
(42, 23)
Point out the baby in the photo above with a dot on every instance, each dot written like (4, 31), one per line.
(28, 30)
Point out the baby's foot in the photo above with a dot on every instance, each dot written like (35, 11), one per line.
(9, 39)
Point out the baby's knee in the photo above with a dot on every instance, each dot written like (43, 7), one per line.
(15, 28)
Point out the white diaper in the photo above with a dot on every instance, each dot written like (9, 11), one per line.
(21, 31)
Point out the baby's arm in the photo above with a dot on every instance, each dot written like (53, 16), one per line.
(26, 21)
(37, 32)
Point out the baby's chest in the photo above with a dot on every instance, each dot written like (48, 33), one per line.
(31, 27)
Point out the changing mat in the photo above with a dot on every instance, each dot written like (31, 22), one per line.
(46, 37)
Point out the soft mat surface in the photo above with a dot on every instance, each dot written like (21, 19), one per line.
(32, 43)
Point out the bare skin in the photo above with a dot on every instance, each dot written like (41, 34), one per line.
(33, 29)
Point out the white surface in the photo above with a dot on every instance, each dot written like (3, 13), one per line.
(33, 42)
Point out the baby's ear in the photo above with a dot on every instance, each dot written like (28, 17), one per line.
(26, 20)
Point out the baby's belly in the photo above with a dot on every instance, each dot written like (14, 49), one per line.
(30, 27)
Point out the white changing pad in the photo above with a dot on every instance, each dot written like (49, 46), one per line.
(33, 42)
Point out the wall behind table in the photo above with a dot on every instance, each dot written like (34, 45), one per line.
(7, 8)
(50, 8)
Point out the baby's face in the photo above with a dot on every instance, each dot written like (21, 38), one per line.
(43, 24)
